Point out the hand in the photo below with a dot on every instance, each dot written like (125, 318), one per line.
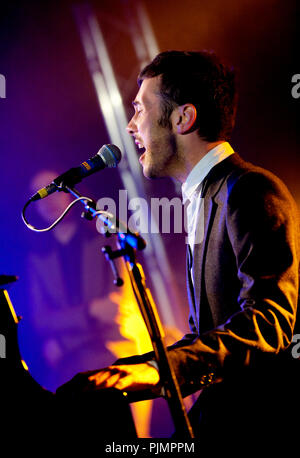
(133, 377)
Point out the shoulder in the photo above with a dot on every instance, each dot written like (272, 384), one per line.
(258, 200)
(251, 182)
(251, 193)
(246, 172)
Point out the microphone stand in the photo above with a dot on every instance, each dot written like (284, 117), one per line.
(128, 243)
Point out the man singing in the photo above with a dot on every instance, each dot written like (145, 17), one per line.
(242, 253)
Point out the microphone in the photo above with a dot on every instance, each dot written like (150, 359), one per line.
(107, 156)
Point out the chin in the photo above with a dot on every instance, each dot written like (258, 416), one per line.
(152, 171)
(148, 174)
(152, 174)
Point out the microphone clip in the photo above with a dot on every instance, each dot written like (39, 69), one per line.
(111, 256)
(88, 214)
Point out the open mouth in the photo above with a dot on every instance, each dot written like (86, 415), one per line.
(141, 149)
(143, 152)
(138, 144)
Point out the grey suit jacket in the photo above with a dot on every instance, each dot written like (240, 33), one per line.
(244, 299)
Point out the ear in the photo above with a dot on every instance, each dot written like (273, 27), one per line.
(186, 118)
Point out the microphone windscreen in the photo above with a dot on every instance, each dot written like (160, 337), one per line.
(110, 154)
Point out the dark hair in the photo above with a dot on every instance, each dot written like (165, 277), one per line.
(199, 78)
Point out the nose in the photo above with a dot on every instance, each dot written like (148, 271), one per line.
(131, 127)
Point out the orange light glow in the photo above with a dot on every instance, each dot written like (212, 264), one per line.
(133, 329)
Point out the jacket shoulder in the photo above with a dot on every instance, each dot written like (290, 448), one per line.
(244, 177)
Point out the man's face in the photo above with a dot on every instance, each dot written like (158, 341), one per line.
(157, 143)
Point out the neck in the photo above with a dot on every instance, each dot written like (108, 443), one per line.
(192, 152)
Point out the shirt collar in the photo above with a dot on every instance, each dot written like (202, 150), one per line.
(203, 167)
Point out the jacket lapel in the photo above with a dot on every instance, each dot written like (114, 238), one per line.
(211, 187)
(190, 287)
(200, 249)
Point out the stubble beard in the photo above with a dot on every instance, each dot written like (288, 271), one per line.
(162, 157)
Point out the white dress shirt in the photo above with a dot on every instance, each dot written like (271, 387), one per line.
(192, 188)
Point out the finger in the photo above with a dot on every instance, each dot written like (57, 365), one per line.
(111, 382)
(102, 377)
(99, 373)
(124, 383)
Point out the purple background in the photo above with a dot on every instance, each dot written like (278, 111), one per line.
(51, 119)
